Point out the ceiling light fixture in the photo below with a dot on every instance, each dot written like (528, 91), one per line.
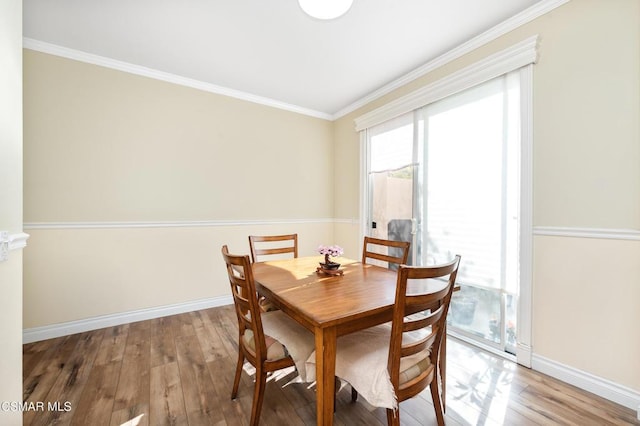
(325, 9)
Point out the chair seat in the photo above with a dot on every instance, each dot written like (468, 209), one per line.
(275, 349)
(284, 337)
(361, 360)
(415, 370)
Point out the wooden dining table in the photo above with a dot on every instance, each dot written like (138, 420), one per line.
(330, 306)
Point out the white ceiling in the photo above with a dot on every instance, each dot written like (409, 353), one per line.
(270, 48)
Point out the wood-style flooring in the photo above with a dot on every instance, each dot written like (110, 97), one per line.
(179, 370)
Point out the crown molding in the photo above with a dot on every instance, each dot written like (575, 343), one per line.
(524, 17)
(510, 24)
(77, 55)
(501, 62)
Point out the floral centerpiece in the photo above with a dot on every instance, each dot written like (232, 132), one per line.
(330, 251)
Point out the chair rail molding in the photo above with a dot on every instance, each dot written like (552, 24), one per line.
(599, 233)
(9, 242)
(172, 224)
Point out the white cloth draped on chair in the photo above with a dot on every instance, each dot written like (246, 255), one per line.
(298, 341)
(361, 360)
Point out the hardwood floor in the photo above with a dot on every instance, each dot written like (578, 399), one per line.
(179, 370)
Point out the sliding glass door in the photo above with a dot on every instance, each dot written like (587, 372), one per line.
(448, 175)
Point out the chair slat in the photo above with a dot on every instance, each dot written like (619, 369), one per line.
(260, 245)
(391, 260)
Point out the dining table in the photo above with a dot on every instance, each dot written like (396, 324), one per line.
(359, 296)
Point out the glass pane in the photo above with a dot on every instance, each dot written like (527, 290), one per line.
(476, 311)
(391, 181)
(392, 201)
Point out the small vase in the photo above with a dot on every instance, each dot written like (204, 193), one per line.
(330, 266)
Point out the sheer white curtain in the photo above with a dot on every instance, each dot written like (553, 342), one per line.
(471, 182)
(391, 144)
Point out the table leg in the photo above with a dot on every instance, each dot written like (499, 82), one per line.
(325, 374)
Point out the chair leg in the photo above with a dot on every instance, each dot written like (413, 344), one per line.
(443, 369)
(258, 396)
(236, 381)
(393, 417)
(437, 402)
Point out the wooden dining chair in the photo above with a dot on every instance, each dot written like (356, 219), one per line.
(411, 344)
(270, 341)
(392, 247)
(267, 245)
(393, 262)
(270, 246)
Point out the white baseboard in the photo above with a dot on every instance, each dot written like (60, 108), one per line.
(35, 334)
(607, 389)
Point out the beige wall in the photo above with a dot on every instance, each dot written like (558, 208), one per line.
(586, 109)
(586, 175)
(586, 301)
(106, 147)
(11, 205)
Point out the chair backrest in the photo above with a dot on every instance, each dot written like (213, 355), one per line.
(418, 290)
(268, 247)
(399, 247)
(245, 299)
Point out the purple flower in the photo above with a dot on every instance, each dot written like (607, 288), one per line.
(332, 251)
